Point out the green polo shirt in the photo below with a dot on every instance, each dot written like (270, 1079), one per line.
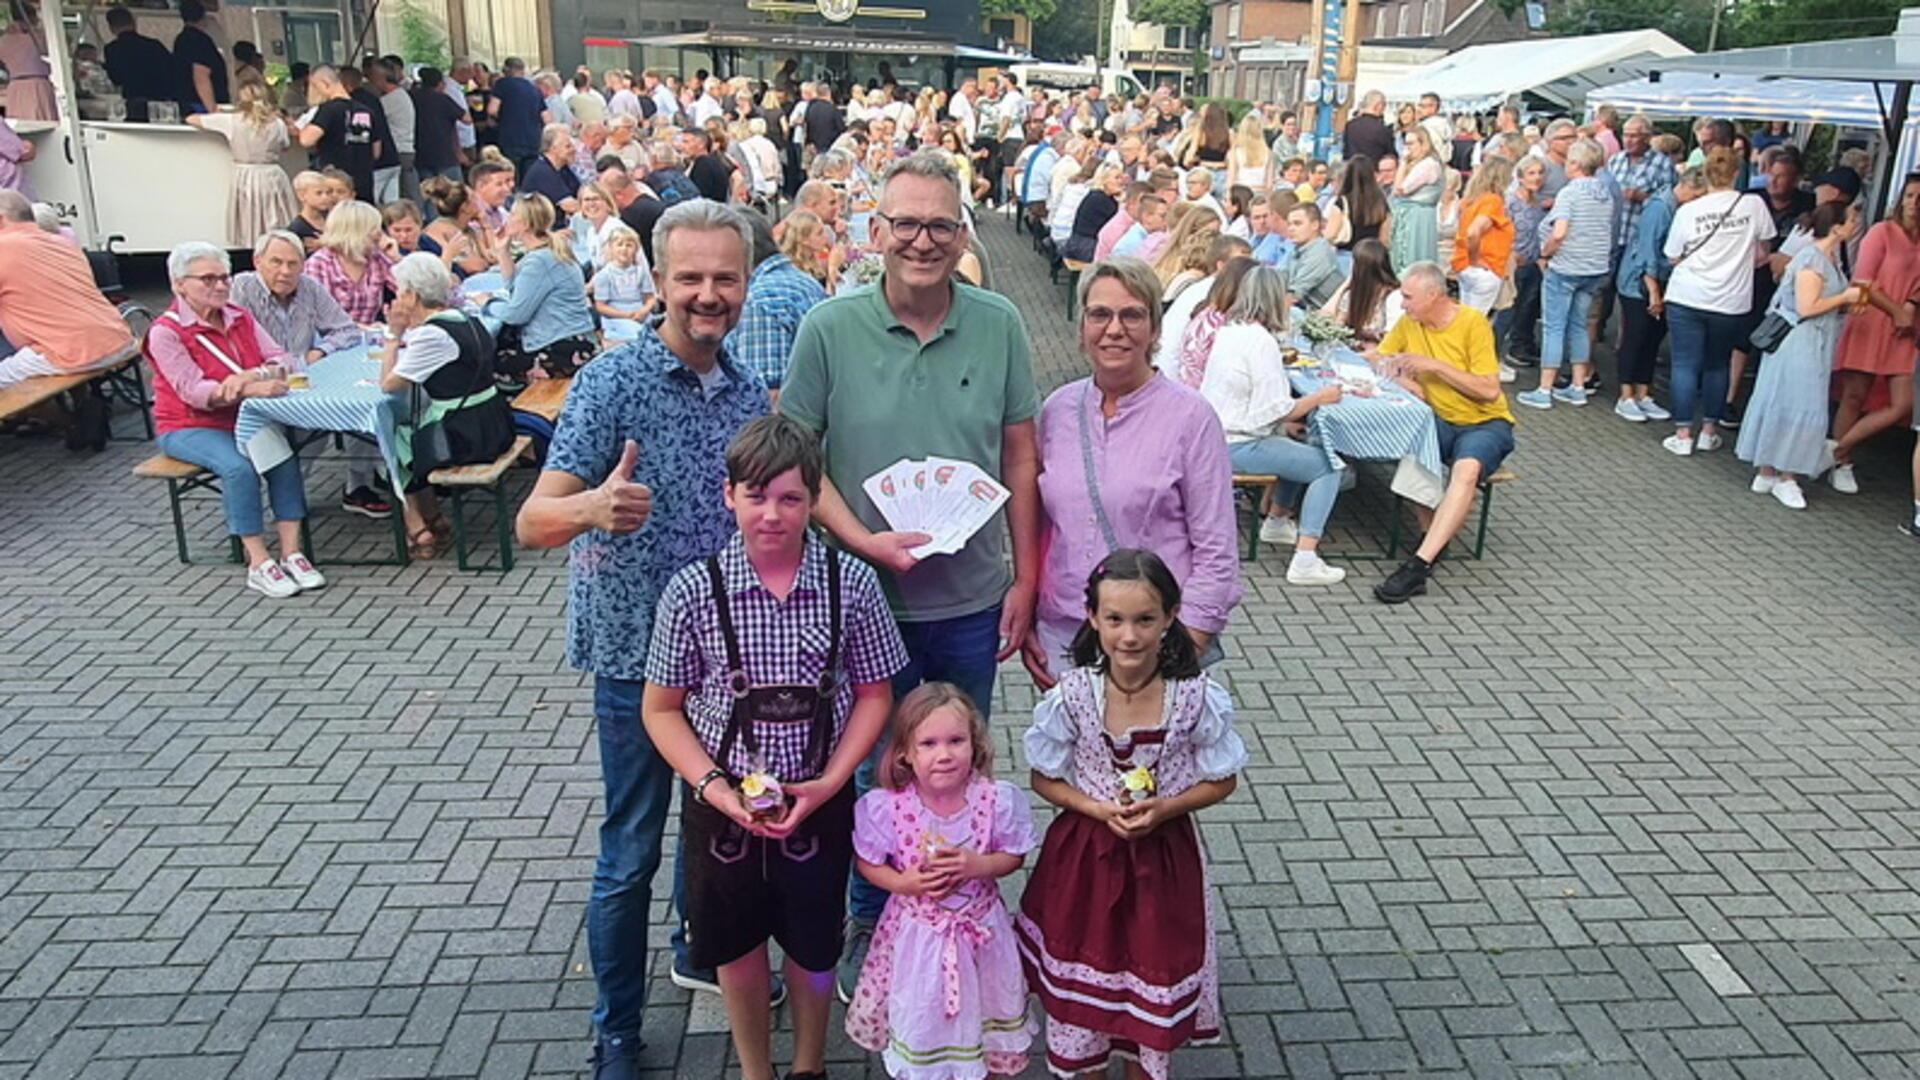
(864, 381)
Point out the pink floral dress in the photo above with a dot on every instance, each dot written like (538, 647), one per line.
(942, 996)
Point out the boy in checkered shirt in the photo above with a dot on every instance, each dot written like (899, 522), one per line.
(767, 684)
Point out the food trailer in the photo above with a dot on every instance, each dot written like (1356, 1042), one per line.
(131, 188)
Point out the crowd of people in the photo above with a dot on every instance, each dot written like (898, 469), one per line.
(767, 293)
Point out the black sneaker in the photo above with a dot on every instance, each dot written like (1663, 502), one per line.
(704, 981)
(612, 1061)
(363, 501)
(1405, 583)
(821, 1075)
(1525, 360)
(1731, 418)
(1910, 529)
(1592, 385)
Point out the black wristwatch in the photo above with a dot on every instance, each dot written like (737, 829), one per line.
(700, 789)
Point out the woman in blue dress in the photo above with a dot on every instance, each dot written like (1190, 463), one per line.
(1785, 434)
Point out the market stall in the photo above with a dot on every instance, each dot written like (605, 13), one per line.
(1554, 72)
(133, 188)
(1684, 95)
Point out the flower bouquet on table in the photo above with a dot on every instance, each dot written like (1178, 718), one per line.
(1325, 335)
(863, 268)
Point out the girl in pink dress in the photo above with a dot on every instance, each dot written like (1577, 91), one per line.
(1117, 923)
(941, 996)
(1878, 342)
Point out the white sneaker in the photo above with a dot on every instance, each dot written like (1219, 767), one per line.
(1308, 568)
(1843, 481)
(1279, 530)
(1507, 374)
(1678, 444)
(1764, 484)
(302, 572)
(1651, 410)
(1707, 442)
(269, 580)
(1788, 492)
(1627, 410)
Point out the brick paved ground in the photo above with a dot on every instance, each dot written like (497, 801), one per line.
(350, 835)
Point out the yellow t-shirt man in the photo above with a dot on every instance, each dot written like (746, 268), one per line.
(1465, 343)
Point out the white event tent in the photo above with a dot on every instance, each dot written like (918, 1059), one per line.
(1560, 71)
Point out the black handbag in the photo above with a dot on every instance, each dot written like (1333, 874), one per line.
(469, 434)
(1770, 333)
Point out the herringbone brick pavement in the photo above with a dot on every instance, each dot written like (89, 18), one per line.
(1487, 834)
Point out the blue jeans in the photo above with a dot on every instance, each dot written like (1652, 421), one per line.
(1277, 455)
(959, 650)
(639, 786)
(1703, 343)
(1565, 302)
(213, 449)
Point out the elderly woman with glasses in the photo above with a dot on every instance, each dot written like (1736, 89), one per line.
(209, 355)
(443, 358)
(1130, 459)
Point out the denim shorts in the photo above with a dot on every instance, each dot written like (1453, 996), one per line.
(1487, 442)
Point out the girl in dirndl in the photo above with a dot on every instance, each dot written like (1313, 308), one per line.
(1116, 927)
(942, 996)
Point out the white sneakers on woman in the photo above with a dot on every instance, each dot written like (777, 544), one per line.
(1785, 489)
(1308, 568)
(1843, 481)
(280, 580)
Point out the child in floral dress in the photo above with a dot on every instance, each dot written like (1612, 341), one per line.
(1117, 924)
(942, 996)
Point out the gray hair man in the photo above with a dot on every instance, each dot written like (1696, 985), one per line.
(676, 392)
(924, 364)
(1442, 351)
(303, 317)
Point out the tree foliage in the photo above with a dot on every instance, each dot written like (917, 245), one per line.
(1170, 12)
(422, 39)
(1036, 10)
(1743, 23)
(1073, 31)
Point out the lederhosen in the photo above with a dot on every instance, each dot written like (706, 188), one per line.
(741, 888)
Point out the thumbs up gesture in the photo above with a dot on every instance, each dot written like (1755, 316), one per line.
(623, 504)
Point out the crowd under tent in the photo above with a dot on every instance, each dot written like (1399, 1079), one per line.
(1556, 73)
(1882, 69)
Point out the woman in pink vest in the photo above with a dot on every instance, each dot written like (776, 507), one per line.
(208, 355)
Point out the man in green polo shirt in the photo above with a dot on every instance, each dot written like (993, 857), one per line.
(925, 366)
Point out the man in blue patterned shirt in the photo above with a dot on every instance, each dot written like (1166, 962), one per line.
(779, 296)
(633, 483)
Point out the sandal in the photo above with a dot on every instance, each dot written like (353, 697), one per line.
(423, 545)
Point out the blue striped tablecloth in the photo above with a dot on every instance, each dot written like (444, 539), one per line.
(1393, 425)
(345, 397)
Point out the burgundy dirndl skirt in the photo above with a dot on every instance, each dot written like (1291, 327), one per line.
(1114, 934)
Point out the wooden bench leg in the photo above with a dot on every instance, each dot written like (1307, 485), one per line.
(1486, 508)
(179, 525)
(500, 528)
(459, 528)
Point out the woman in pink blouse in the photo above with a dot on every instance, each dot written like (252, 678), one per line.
(1130, 459)
(355, 261)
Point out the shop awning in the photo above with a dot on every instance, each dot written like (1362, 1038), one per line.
(1560, 70)
(1746, 97)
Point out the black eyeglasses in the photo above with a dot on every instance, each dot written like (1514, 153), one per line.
(907, 230)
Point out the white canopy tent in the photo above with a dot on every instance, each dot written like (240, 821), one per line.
(1689, 94)
(1559, 70)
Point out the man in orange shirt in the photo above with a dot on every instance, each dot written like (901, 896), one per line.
(50, 308)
